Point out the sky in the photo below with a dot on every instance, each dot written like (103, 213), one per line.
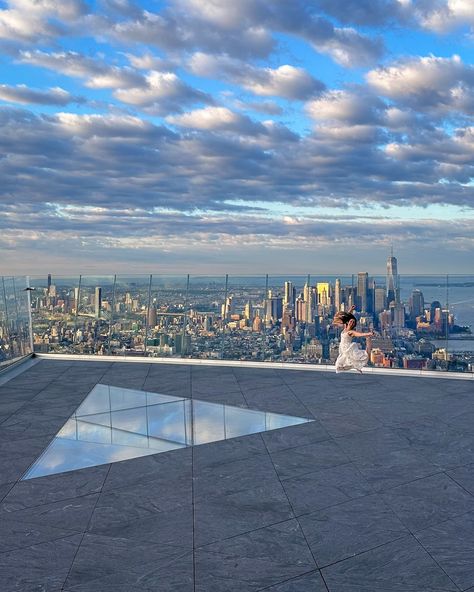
(240, 137)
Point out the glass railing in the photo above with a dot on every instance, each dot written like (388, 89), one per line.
(421, 322)
(15, 324)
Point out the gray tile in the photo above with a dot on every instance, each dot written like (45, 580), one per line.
(216, 453)
(101, 556)
(17, 534)
(224, 516)
(234, 476)
(451, 544)
(321, 489)
(400, 566)
(39, 567)
(344, 417)
(439, 443)
(311, 582)
(25, 424)
(7, 408)
(17, 455)
(350, 528)
(53, 488)
(464, 476)
(395, 468)
(227, 398)
(254, 560)
(52, 407)
(174, 575)
(170, 527)
(4, 489)
(276, 402)
(72, 514)
(372, 443)
(166, 466)
(140, 501)
(292, 436)
(428, 501)
(307, 459)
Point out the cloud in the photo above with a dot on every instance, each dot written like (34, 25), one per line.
(173, 31)
(162, 93)
(366, 12)
(33, 20)
(440, 85)
(444, 15)
(285, 81)
(156, 92)
(245, 30)
(268, 107)
(25, 95)
(215, 118)
(97, 73)
(346, 106)
(127, 161)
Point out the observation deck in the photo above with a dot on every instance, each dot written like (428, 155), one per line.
(375, 493)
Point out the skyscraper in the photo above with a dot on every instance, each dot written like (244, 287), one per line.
(98, 301)
(380, 300)
(362, 290)
(323, 293)
(393, 291)
(152, 319)
(337, 295)
(289, 295)
(416, 304)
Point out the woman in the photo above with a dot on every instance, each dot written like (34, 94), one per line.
(351, 356)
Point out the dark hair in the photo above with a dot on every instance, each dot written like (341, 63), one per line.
(351, 319)
(344, 317)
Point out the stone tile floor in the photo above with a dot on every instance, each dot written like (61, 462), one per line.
(375, 495)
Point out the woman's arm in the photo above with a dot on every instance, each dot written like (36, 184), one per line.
(360, 334)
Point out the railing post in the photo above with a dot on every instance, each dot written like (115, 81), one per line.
(224, 319)
(30, 316)
(183, 334)
(147, 314)
(111, 315)
(77, 309)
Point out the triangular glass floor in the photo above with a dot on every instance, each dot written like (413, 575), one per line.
(114, 423)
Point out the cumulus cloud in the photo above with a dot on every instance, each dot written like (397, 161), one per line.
(163, 92)
(174, 31)
(175, 153)
(157, 92)
(268, 107)
(285, 81)
(346, 106)
(443, 15)
(245, 29)
(97, 73)
(366, 12)
(442, 85)
(25, 95)
(32, 20)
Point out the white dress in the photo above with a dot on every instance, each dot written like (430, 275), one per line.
(351, 356)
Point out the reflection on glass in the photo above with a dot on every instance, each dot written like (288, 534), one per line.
(114, 424)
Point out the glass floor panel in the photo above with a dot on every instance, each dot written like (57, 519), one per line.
(114, 424)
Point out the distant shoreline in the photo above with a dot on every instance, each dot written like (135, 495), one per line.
(449, 284)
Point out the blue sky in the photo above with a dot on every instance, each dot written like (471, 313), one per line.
(256, 136)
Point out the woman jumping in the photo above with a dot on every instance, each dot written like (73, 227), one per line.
(351, 356)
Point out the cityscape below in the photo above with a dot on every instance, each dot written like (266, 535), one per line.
(279, 319)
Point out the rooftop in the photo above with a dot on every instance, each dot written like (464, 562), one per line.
(375, 495)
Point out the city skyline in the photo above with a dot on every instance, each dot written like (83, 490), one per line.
(202, 136)
(260, 319)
